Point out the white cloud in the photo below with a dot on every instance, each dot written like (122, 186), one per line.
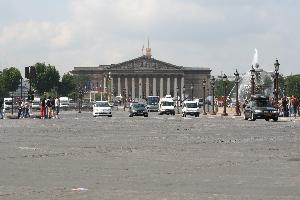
(220, 35)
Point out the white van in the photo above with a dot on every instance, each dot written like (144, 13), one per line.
(36, 103)
(190, 108)
(64, 102)
(7, 103)
(166, 105)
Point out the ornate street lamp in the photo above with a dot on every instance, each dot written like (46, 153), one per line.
(237, 103)
(212, 83)
(252, 80)
(225, 96)
(192, 88)
(183, 91)
(204, 85)
(177, 89)
(276, 81)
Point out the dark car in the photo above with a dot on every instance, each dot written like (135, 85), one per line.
(138, 109)
(259, 107)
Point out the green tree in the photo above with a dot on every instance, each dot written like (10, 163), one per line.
(10, 79)
(47, 78)
(219, 85)
(67, 85)
(292, 85)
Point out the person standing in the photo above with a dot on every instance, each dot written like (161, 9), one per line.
(53, 107)
(294, 104)
(43, 108)
(1, 108)
(57, 104)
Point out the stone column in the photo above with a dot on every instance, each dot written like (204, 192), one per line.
(133, 88)
(147, 87)
(181, 87)
(140, 88)
(119, 86)
(126, 86)
(168, 86)
(104, 85)
(154, 87)
(175, 87)
(161, 88)
(111, 85)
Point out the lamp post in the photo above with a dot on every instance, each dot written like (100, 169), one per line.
(276, 81)
(204, 85)
(124, 98)
(80, 99)
(183, 91)
(192, 88)
(252, 80)
(213, 82)
(237, 103)
(177, 89)
(225, 97)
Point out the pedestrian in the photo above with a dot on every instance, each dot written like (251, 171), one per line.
(20, 108)
(284, 103)
(57, 104)
(294, 104)
(26, 109)
(53, 107)
(43, 108)
(1, 108)
(49, 107)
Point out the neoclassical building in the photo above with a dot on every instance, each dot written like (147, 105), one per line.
(145, 76)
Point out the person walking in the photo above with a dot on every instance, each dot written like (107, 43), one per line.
(53, 113)
(57, 104)
(20, 108)
(284, 106)
(49, 107)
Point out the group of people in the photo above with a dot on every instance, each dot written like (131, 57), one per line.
(50, 107)
(290, 106)
(23, 108)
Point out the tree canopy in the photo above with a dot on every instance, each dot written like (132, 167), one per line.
(10, 78)
(292, 85)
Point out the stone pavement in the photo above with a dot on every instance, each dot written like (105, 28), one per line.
(159, 157)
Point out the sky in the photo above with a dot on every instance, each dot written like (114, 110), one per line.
(218, 34)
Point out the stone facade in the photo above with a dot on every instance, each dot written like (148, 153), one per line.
(145, 76)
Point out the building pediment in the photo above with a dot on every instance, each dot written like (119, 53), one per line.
(144, 63)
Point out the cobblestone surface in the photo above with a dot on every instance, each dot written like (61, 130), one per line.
(159, 157)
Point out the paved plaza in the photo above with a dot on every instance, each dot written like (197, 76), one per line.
(159, 157)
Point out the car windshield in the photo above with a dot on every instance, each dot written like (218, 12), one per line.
(191, 105)
(152, 100)
(8, 102)
(167, 103)
(138, 105)
(102, 104)
(262, 103)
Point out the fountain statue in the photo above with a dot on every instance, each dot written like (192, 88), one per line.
(263, 81)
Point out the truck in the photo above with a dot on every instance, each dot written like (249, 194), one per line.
(153, 103)
(190, 108)
(7, 104)
(166, 105)
(64, 102)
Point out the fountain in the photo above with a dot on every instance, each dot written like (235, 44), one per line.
(263, 81)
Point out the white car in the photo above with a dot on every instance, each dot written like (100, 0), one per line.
(190, 108)
(102, 108)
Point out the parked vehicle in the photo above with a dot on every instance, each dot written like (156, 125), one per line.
(259, 107)
(36, 103)
(166, 106)
(102, 108)
(64, 102)
(138, 109)
(7, 103)
(190, 108)
(152, 103)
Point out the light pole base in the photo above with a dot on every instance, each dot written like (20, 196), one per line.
(224, 114)
(213, 113)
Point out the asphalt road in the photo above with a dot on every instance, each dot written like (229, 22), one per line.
(159, 157)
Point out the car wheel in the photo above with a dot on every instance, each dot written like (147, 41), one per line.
(109, 115)
(267, 119)
(275, 119)
(145, 115)
(245, 118)
(130, 115)
(252, 117)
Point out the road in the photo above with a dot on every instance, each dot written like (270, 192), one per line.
(159, 157)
